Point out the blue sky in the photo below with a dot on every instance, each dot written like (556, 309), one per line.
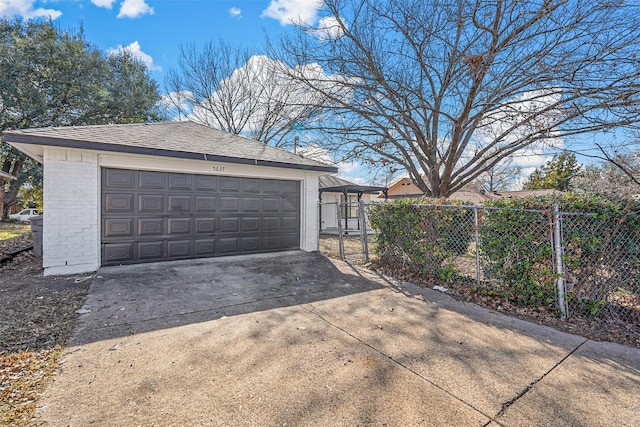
(155, 29)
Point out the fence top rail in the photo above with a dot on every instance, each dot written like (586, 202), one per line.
(426, 205)
(496, 208)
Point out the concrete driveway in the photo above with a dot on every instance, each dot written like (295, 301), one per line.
(299, 340)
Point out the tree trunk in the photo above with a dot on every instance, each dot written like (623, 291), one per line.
(10, 197)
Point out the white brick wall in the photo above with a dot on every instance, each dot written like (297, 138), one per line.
(70, 232)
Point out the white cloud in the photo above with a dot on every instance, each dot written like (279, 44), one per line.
(107, 4)
(25, 10)
(261, 93)
(136, 52)
(345, 169)
(531, 113)
(175, 103)
(292, 11)
(234, 11)
(328, 29)
(315, 152)
(134, 9)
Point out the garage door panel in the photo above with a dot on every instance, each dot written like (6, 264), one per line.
(180, 181)
(117, 252)
(206, 183)
(271, 187)
(204, 247)
(270, 205)
(150, 226)
(120, 203)
(251, 224)
(229, 204)
(289, 206)
(152, 216)
(151, 250)
(151, 203)
(289, 189)
(179, 204)
(251, 186)
(179, 249)
(271, 224)
(251, 204)
(270, 243)
(290, 241)
(289, 224)
(228, 245)
(229, 225)
(151, 180)
(205, 204)
(230, 184)
(115, 178)
(250, 244)
(205, 225)
(118, 227)
(179, 226)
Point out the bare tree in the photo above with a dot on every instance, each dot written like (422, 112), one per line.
(230, 89)
(611, 180)
(500, 177)
(450, 88)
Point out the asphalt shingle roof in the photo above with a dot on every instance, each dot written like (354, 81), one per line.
(332, 181)
(171, 139)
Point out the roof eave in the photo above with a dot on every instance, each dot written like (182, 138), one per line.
(128, 149)
(364, 189)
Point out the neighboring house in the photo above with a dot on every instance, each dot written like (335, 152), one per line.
(405, 188)
(125, 194)
(335, 192)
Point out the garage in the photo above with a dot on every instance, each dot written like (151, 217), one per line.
(154, 192)
(155, 216)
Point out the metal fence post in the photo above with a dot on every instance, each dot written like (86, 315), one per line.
(363, 230)
(476, 232)
(559, 264)
(340, 236)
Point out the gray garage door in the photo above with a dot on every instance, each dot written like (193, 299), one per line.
(155, 216)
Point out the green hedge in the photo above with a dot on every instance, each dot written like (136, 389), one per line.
(416, 238)
(601, 243)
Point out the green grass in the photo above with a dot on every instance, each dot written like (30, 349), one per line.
(9, 230)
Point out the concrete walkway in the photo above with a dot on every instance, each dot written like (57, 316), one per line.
(298, 340)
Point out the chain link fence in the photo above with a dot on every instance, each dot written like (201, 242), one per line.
(345, 231)
(601, 260)
(584, 264)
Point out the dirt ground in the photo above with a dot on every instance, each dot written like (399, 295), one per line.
(37, 316)
(36, 312)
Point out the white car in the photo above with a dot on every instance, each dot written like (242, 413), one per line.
(25, 215)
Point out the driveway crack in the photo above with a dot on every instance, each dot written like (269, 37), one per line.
(532, 384)
(490, 419)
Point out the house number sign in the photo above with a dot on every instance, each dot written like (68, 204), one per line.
(218, 168)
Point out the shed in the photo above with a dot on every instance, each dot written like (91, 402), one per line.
(133, 193)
